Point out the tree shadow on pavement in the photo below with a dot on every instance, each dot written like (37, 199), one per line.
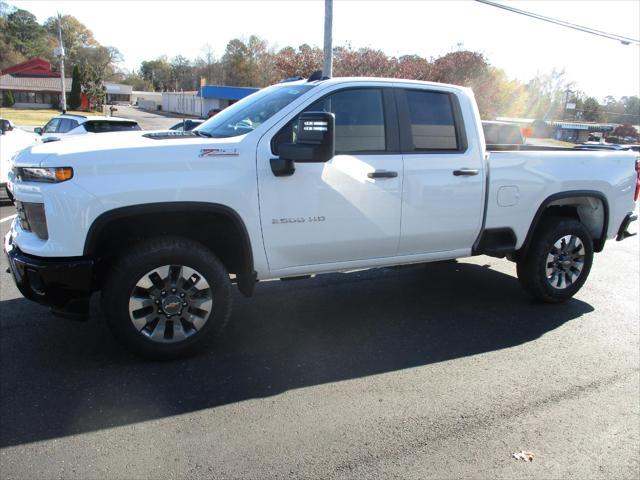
(61, 378)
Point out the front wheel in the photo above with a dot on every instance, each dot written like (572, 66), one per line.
(558, 261)
(167, 298)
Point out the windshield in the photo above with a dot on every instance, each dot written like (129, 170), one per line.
(250, 112)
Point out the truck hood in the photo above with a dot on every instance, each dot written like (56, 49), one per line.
(99, 147)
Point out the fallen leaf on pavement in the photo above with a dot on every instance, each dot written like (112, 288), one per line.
(523, 455)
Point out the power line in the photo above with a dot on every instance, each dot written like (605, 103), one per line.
(593, 31)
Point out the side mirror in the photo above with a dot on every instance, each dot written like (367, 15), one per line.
(38, 130)
(315, 143)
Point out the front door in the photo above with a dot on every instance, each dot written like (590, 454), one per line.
(343, 210)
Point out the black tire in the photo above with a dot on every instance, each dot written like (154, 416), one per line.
(146, 256)
(532, 269)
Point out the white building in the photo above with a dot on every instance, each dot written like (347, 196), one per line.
(209, 97)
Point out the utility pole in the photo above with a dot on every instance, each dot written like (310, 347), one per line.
(61, 51)
(328, 41)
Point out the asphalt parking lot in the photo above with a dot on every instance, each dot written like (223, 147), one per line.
(431, 371)
(148, 120)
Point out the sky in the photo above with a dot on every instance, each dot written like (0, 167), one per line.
(521, 46)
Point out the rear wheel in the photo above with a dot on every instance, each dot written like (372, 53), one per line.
(167, 298)
(558, 261)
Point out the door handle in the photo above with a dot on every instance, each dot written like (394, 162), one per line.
(466, 172)
(382, 174)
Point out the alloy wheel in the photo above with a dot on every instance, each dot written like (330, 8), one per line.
(170, 303)
(565, 262)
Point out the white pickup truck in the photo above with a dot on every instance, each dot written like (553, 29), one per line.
(300, 178)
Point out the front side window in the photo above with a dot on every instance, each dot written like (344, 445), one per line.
(52, 126)
(252, 111)
(359, 121)
(432, 121)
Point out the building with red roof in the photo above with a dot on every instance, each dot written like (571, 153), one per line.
(34, 84)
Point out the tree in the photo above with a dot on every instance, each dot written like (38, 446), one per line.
(591, 110)
(365, 62)
(157, 72)
(181, 73)
(413, 67)
(626, 130)
(25, 35)
(75, 98)
(75, 37)
(497, 95)
(8, 100)
(631, 110)
(92, 86)
(289, 62)
(546, 94)
(208, 66)
(460, 67)
(102, 59)
(136, 81)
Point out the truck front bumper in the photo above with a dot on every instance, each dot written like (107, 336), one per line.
(64, 284)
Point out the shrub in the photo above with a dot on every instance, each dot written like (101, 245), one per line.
(8, 99)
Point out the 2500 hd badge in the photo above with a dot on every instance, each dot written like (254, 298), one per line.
(298, 220)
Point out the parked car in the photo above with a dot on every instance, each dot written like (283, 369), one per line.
(69, 124)
(186, 125)
(13, 140)
(298, 179)
(502, 133)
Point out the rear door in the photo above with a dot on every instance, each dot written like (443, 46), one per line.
(343, 210)
(442, 199)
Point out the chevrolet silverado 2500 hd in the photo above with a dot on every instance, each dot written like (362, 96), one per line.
(300, 178)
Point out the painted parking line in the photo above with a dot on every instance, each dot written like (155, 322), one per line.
(10, 217)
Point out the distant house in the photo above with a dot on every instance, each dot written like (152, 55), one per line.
(33, 83)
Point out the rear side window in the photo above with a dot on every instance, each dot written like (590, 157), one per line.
(66, 124)
(104, 126)
(432, 121)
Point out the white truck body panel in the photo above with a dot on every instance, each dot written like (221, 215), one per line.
(423, 214)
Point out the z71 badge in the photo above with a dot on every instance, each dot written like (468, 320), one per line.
(277, 221)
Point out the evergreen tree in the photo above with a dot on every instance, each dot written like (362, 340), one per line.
(75, 98)
(8, 99)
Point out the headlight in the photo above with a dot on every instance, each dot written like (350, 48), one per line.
(48, 175)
